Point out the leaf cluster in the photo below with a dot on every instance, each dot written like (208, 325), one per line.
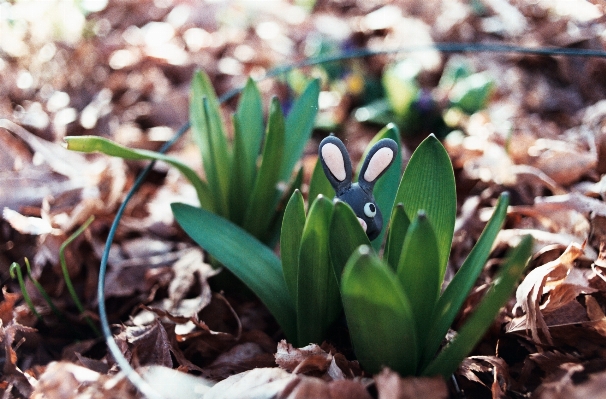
(245, 178)
(395, 311)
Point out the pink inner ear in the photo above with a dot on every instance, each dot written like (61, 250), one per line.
(334, 161)
(378, 163)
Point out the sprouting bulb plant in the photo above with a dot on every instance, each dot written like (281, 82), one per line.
(247, 178)
(337, 166)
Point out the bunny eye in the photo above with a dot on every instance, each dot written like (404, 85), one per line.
(370, 209)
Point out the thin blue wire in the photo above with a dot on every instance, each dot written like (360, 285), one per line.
(126, 368)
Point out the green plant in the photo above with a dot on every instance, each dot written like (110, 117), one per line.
(304, 300)
(416, 110)
(15, 271)
(393, 306)
(247, 179)
(395, 312)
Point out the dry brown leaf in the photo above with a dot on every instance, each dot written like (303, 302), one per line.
(601, 260)
(69, 381)
(509, 238)
(596, 315)
(575, 201)
(261, 383)
(310, 387)
(290, 358)
(241, 357)
(318, 361)
(7, 306)
(484, 364)
(574, 381)
(539, 281)
(564, 162)
(143, 345)
(190, 271)
(391, 386)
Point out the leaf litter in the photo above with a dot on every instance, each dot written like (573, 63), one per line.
(542, 138)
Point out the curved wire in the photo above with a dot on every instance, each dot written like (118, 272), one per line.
(136, 379)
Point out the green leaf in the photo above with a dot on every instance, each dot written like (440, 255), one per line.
(273, 231)
(319, 184)
(471, 93)
(456, 68)
(400, 83)
(290, 241)
(100, 144)
(386, 187)
(209, 135)
(346, 235)
(299, 125)
(248, 135)
(379, 316)
(428, 184)
(318, 302)
(398, 227)
(472, 331)
(250, 118)
(247, 258)
(455, 294)
(419, 273)
(265, 195)
(378, 112)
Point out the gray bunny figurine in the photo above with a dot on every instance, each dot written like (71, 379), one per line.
(337, 167)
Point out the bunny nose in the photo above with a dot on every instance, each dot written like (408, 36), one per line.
(363, 223)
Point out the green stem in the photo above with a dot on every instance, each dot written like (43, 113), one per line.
(68, 281)
(16, 269)
(42, 291)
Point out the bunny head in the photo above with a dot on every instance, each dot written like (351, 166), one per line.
(337, 167)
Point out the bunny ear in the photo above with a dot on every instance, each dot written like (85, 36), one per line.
(379, 158)
(336, 163)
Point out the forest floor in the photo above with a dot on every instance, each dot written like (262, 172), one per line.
(123, 70)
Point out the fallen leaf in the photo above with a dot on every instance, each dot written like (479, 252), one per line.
(261, 383)
(539, 281)
(144, 345)
(310, 387)
(391, 386)
(27, 224)
(69, 381)
(173, 384)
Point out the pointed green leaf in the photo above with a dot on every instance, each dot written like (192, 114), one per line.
(108, 147)
(299, 125)
(455, 294)
(346, 235)
(387, 186)
(318, 302)
(266, 195)
(472, 331)
(248, 135)
(209, 135)
(428, 184)
(419, 273)
(250, 119)
(273, 231)
(319, 184)
(290, 240)
(379, 315)
(398, 226)
(242, 179)
(252, 262)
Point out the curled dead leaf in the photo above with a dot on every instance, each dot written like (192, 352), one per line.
(539, 281)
